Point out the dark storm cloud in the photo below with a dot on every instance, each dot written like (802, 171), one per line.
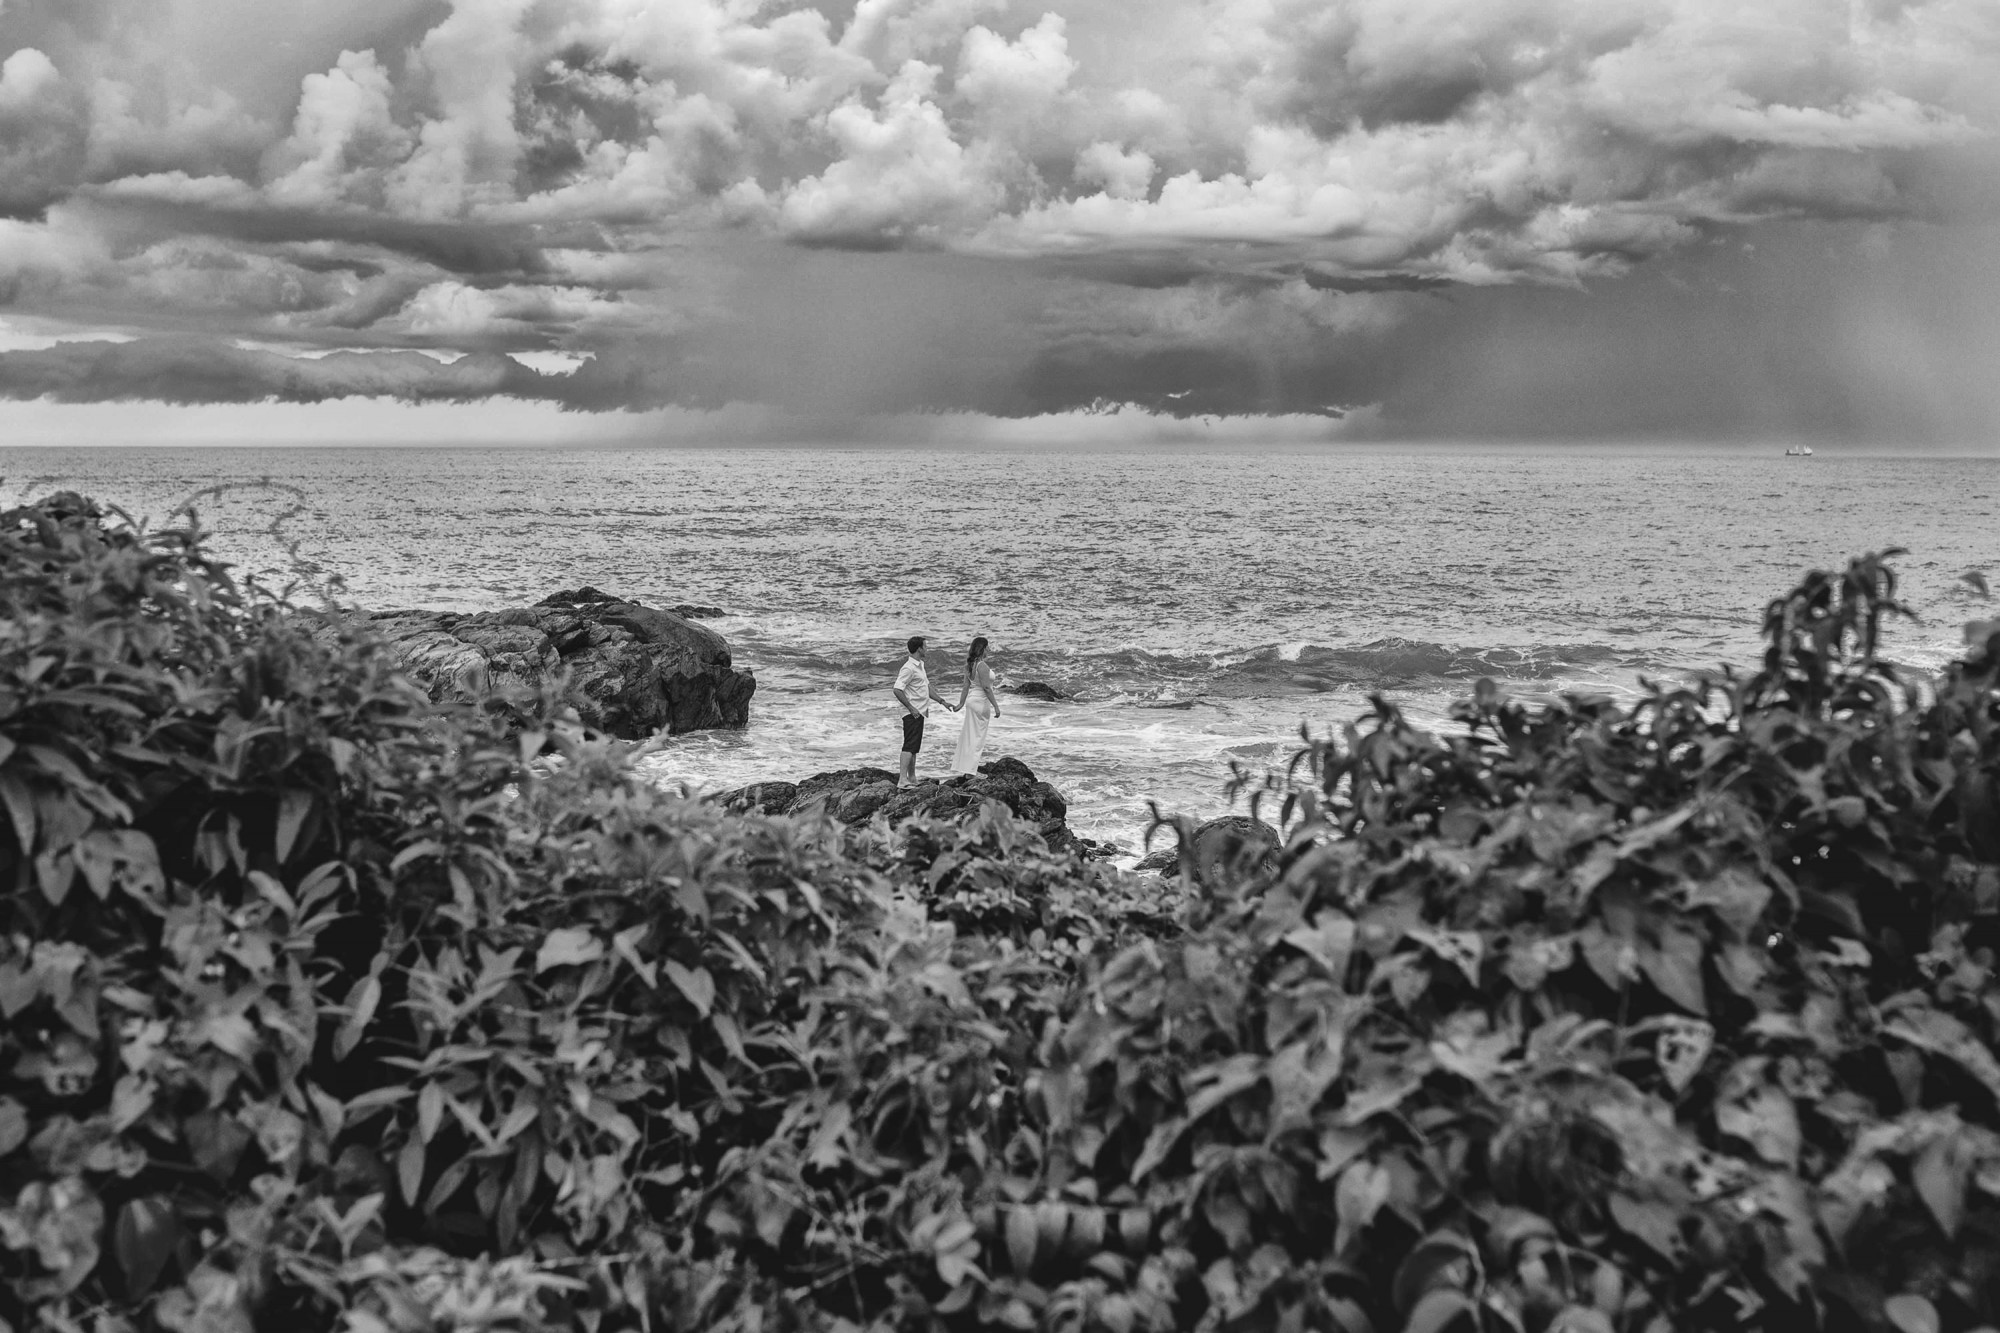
(1196, 206)
(474, 249)
(199, 370)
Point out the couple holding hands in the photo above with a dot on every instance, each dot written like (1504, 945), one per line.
(976, 701)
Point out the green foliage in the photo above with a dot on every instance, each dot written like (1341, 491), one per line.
(330, 1006)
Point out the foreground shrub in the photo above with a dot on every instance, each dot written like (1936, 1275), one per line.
(330, 1006)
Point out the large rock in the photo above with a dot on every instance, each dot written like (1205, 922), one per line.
(856, 795)
(634, 670)
(1220, 846)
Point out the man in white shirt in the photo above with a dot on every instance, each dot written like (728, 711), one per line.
(913, 691)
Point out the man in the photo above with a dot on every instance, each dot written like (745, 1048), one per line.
(914, 693)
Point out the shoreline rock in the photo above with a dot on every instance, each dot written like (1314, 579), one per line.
(853, 796)
(587, 595)
(634, 670)
(1042, 690)
(1218, 842)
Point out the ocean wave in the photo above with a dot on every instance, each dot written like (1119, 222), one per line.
(1175, 680)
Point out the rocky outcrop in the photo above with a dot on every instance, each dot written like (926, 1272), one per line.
(634, 670)
(587, 595)
(857, 795)
(1041, 689)
(1232, 840)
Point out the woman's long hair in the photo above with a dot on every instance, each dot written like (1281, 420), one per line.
(978, 651)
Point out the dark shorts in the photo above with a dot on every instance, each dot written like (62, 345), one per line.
(913, 733)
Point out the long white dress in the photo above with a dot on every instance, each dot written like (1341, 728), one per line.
(978, 716)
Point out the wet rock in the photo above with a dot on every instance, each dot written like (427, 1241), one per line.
(1221, 848)
(856, 795)
(1037, 689)
(761, 798)
(816, 790)
(589, 596)
(634, 670)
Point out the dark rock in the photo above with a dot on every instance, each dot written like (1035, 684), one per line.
(589, 596)
(584, 596)
(1037, 689)
(763, 798)
(1221, 848)
(634, 670)
(822, 785)
(856, 795)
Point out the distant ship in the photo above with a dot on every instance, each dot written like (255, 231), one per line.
(1799, 451)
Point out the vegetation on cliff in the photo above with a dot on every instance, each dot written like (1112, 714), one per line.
(329, 1005)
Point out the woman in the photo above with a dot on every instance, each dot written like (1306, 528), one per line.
(979, 705)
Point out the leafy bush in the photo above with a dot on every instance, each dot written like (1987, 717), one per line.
(330, 1006)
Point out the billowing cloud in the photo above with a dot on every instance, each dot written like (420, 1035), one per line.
(1195, 205)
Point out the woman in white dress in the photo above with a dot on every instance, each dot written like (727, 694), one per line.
(979, 706)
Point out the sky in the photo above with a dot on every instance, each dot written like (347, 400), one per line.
(629, 219)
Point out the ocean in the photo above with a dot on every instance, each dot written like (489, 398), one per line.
(1202, 604)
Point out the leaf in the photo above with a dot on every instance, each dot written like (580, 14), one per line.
(362, 1002)
(1931, 1030)
(1461, 948)
(1654, 1222)
(216, 1142)
(1212, 1085)
(695, 983)
(1737, 898)
(415, 851)
(1682, 1048)
(626, 945)
(430, 1111)
(1530, 962)
(13, 1125)
(1603, 859)
(1941, 1173)
(1230, 1219)
(143, 1239)
(1440, 1310)
(1674, 967)
(1023, 1236)
(1749, 1108)
(20, 809)
(1443, 1261)
(569, 945)
(1362, 1190)
(293, 807)
(1328, 941)
(1158, 1144)
(1912, 1314)
(410, 1170)
(232, 1034)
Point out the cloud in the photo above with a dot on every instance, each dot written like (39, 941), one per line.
(901, 174)
(26, 78)
(42, 133)
(344, 136)
(466, 153)
(1199, 205)
(199, 370)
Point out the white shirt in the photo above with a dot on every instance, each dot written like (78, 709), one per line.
(915, 683)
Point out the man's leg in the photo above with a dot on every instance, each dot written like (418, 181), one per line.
(913, 741)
